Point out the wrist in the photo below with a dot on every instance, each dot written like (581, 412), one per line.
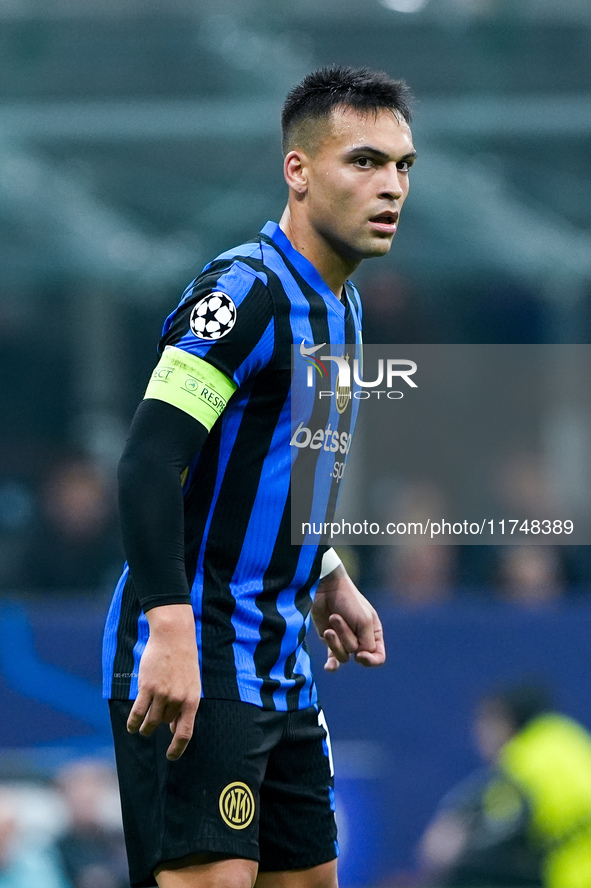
(169, 618)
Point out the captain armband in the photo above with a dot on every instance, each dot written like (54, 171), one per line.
(330, 562)
(191, 384)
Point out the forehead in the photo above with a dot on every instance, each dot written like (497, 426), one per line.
(382, 130)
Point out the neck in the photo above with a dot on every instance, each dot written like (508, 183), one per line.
(332, 268)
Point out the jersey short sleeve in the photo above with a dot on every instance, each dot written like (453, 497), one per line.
(225, 318)
(221, 334)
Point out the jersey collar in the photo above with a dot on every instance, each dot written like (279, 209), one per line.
(303, 265)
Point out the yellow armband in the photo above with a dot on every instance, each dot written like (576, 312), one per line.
(191, 384)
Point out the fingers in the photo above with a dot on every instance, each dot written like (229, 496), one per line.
(139, 711)
(342, 642)
(366, 633)
(145, 717)
(377, 656)
(365, 658)
(361, 638)
(182, 728)
(336, 652)
(147, 714)
(347, 640)
(332, 664)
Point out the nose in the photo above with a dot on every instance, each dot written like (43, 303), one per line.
(391, 185)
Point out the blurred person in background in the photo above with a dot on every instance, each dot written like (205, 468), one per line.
(524, 486)
(92, 849)
(17, 520)
(532, 576)
(525, 819)
(392, 311)
(24, 863)
(418, 574)
(76, 544)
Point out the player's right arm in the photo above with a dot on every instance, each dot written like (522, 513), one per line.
(189, 389)
(184, 398)
(162, 442)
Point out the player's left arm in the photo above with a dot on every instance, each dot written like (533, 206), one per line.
(347, 622)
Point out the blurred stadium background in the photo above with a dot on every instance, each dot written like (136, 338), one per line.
(137, 140)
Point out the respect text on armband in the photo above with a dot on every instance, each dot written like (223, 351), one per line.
(188, 382)
(204, 393)
(193, 386)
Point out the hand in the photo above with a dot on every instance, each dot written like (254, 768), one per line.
(169, 680)
(347, 622)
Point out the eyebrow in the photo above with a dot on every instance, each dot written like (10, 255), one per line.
(377, 152)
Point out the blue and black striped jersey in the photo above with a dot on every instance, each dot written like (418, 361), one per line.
(251, 588)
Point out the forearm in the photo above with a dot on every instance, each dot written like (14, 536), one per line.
(161, 443)
(151, 511)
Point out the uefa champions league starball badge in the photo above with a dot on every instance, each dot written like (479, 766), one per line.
(213, 316)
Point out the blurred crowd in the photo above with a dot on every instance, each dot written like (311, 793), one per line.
(58, 517)
(422, 575)
(66, 834)
(63, 536)
(415, 575)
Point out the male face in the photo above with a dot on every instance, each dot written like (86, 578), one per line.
(492, 729)
(357, 181)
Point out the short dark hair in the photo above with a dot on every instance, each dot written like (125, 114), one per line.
(339, 86)
(522, 702)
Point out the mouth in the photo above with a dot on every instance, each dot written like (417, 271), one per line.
(385, 222)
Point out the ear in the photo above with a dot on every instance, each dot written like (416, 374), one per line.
(295, 170)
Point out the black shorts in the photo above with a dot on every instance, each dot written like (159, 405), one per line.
(252, 783)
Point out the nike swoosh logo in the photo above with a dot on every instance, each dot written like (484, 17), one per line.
(306, 351)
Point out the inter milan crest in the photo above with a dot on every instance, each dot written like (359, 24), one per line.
(237, 805)
(213, 316)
